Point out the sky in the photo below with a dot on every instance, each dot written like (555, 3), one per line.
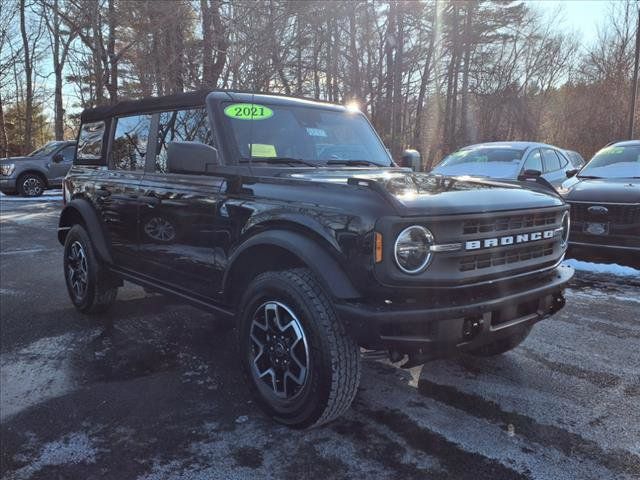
(582, 16)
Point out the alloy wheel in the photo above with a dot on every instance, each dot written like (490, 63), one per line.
(280, 352)
(32, 186)
(77, 270)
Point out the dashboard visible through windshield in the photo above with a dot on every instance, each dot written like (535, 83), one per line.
(310, 136)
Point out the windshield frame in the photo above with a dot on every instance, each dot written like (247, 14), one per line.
(235, 158)
(584, 171)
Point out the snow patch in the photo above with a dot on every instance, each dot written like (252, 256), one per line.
(72, 449)
(606, 268)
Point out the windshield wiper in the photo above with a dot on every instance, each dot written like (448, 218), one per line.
(278, 160)
(359, 163)
(589, 176)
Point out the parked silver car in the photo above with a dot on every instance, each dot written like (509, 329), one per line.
(42, 169)
(507, 160)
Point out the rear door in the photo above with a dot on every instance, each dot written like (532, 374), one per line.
(181, 228)
(117, 193)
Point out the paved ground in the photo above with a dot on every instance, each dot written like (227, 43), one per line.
(159, 395)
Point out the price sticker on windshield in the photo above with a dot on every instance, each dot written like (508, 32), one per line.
(248, 111)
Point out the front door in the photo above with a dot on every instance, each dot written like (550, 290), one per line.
(181, 228)
(58, 169)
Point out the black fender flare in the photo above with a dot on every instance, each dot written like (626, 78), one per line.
(81, 209)
(324, 266)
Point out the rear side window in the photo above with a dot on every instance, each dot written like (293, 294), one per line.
(190, 125)
(90, 142)
(130, 142)
(551, 160)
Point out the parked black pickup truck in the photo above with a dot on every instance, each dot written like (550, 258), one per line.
(288, 218)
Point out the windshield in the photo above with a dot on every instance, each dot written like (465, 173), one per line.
(614, 162)
(306, 135)
(495, 162)
(45, 150)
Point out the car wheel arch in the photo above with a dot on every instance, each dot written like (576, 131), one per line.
(80, 211)
(280, 250)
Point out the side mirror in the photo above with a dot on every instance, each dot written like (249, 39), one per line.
(411, 158)
(57, 158)
(572, 173)
(529, 174)
(191, 158)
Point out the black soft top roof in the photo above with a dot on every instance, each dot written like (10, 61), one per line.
(192, 99)
(147, 104)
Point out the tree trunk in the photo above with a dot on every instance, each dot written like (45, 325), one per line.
(417, 133)
(28, 71)
(4, 140)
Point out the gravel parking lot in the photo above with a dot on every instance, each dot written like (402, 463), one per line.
(159, 393)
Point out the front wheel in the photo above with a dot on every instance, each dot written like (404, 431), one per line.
(30, 185)
(90, 288)
(302, 366)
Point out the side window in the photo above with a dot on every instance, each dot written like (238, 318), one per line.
(181, 126)
(551, 160)
(130, 142)
(534, 161)
(67, 153)
(90, 141)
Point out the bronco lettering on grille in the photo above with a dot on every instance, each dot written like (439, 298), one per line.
(508, 240)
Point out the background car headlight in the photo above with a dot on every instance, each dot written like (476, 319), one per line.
(412, 249)
(566, 226)
(7, 169)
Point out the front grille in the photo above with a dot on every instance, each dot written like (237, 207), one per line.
(515, 255)
(509, 223)
(618, 214)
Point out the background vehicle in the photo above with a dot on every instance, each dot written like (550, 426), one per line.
(43, 168)
(605, 200)
(292, 223)
(507, 160)
(575, 158)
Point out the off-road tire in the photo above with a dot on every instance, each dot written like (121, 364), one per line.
(100, 292)
(502, 345)
(334, 358)
(24, 191)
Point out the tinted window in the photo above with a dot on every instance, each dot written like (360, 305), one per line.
(551, 160)
(130, 142)
(311, 134)
(67, 153)
(534, 161)
(181, 126)
(47, 149)
(90, 141)
(495, 162)
(563, 159)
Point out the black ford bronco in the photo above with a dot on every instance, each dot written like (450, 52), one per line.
(289, 219)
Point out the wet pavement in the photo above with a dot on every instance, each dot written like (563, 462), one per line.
(153, 391)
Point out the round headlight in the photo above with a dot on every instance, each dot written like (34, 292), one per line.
(412, 249)
(566, 226)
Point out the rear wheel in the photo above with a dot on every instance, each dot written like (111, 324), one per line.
(503, 345)
(89, 285)
(30, 185)
(301, 364)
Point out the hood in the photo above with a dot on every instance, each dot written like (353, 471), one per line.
(615, 190)
(15, 159)
(425, 194)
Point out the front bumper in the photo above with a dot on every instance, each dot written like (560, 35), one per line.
(443, 326)
(7, 184)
